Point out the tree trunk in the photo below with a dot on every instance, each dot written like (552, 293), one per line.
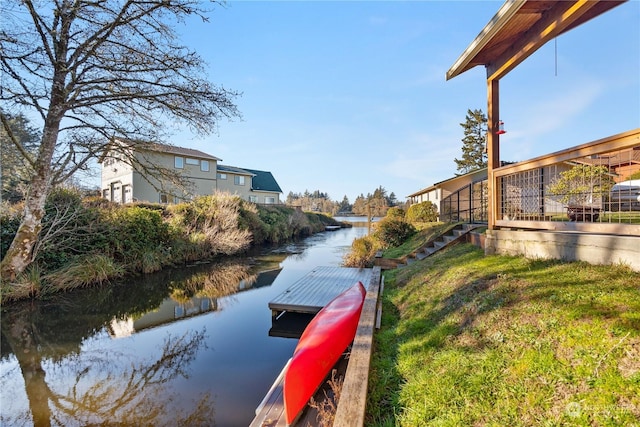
(20, 253)
(18, 256)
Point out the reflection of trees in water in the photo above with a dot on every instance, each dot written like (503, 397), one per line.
(215, 283)
(93, 390)
(66, 384)
(46, 337)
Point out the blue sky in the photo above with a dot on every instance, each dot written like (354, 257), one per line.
(344, 97)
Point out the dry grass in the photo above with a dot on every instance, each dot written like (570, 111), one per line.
(326, 408)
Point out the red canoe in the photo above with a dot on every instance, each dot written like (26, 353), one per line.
(320, 346)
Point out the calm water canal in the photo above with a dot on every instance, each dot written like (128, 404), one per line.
(182, 347)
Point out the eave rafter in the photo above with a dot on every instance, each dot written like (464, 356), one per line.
(521, 27)
(555, 21)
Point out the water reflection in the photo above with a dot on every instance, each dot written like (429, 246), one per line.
(47, 339)
(188, 346)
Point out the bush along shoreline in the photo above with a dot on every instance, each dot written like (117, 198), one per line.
(90, 241)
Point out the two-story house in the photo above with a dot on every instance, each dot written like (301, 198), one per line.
(156, 165)
(253, 185)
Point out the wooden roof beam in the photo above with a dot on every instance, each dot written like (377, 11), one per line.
(554, 22)
(502, 17)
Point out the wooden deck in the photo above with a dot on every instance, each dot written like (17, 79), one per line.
(317, 288)
(355, 368)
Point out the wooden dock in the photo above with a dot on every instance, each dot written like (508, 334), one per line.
(352, 404)
(317, 288)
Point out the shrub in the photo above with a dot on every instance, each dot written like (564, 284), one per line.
(276, 222)
(136, 231)
(280, 223)
(362, 252)
(9, 223)
(248, 219)
(317, 222)
(393, 232)
(216, 220)
(422, 212)
(69, 228)
(395, 213)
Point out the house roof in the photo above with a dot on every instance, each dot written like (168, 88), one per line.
(260, 181)
(521, 27)
(233, 169)
(423, 191)
(264, 181)
(476, 174)
(173, 149)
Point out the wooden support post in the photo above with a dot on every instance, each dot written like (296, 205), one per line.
(493, 150)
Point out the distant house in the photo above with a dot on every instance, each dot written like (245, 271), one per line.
(441, 190)
(431, 194)
(122, 183)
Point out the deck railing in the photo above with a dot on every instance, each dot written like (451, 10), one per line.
(467, 204)
(584, 188)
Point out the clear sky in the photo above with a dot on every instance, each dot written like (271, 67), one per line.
(344, 97)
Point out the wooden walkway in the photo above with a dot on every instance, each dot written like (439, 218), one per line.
(352, 404)
(317, 288)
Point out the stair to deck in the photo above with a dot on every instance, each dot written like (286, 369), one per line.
(451, 237)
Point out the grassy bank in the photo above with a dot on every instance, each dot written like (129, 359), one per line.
(469, 339)
(88, 241)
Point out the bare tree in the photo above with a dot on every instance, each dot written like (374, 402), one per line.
(94, 72)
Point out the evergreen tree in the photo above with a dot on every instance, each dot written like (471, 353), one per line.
(474, 156)
(345, 206)
(16, 170)
(392, 200)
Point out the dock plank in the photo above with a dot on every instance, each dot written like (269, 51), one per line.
(317, 288)
(309, 295)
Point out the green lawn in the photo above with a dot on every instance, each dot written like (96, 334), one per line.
(475, 340)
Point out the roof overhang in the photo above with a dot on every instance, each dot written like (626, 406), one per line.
(519, 28)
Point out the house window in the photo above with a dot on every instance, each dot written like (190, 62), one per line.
(105, 193)
(204, 166)
(270, 200)
(222, 176)
(238, 180)
(179, 162)
(167, 198)
(253, 199)
(192, 161)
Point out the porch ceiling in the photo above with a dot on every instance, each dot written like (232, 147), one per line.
(521, 27)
